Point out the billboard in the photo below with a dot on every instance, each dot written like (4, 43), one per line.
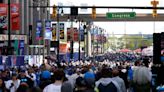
(38, 29)
(54, 26)
(3, 16)
(15, 17)
(63, 48)
(61, 30)
(48, 32)
(72, 34)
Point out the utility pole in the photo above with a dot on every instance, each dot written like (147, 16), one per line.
(58, 35)
(79, 40)
(9, 29)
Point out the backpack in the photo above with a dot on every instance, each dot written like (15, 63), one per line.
(108, 88)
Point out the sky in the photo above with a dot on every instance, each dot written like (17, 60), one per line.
(119, 27)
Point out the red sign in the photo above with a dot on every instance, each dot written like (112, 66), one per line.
(72, 33)
(76, 34)
(63, 48)
(15, 19)
(3, 16)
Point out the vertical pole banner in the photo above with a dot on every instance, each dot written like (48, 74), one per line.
(16, 47)
(38, 29)
(76, 34)
(81, 34)
(48, 32)
(69, 37)
(21, 47)
(61, 30)
(3, 16)
(15, 19)
(54, 31)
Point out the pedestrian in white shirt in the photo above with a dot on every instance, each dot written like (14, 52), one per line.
(119, 80)
(13, 84)
(32, 76)
(56, 86)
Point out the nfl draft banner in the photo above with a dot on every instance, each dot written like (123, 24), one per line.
(48, 32)
(3, 16)
(15, 19)
(38, 29)
(54, 26)
(61, 30)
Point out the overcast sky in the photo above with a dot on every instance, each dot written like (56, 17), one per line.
(119, 27)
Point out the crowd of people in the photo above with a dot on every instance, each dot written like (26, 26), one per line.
(80, 76)
(122, 56)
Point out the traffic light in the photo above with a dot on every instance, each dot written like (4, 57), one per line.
(94, 12)
(154, 3)
(54, 13)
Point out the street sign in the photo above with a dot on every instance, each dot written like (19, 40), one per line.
(120, 15)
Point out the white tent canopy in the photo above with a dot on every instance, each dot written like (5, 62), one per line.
(147, 51)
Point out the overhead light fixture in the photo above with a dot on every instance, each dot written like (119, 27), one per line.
(62, 12)
(75, 19)
(38, 9)
(68, 19)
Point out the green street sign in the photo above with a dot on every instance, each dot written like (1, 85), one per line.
(120, 15)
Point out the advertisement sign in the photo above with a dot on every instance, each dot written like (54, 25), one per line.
(21, 47)
(3, 16)
(63, 48)
(48, 33)
(76, 34)
(61, 30)
(54, 26)
(81, 34)
(72, 34)
(38, 29)
(15, 19)
(69, 34)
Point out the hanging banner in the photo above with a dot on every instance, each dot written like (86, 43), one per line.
(21, 47)
(16, 47)
(76, 34)
(63, 48)
(81, 34)
(72, 34)
(3, 16)
(48, 32)
(15, 17)
(38, 29)
(61, 30)
(54, 31)
(69, 34)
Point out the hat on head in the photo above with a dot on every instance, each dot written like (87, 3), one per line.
(22, 71)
